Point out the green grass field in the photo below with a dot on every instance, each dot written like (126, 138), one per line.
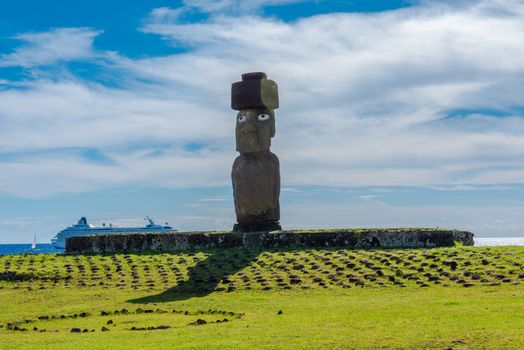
(459, 298)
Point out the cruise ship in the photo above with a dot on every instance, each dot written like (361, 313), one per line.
(82, 228)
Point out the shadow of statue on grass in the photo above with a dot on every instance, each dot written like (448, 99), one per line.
(205, 276)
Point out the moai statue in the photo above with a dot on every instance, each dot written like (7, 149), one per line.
(256, 171)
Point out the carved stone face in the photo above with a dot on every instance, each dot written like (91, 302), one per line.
(254, 130)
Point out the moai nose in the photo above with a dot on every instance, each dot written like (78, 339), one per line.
(249, 127)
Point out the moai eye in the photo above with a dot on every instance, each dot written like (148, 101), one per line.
(263, 117)
(241, 118)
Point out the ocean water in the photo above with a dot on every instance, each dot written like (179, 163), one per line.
(26, 249)
(496, 241)
(49, 249)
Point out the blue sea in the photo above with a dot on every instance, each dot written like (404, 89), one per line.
(26, 249)
(49, 249)
(497, 241)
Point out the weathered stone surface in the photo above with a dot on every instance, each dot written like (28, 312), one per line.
(464, 237)
(256, 171)
(254, 130)
(254, 91)
(348, 238)
(256, 188)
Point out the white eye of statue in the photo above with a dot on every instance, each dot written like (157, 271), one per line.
(241, 118)
(262, 117)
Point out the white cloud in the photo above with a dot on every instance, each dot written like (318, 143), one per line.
(165, 14)
(487, 221)
(45, 176)
(213, 199)
(364, 101)
(235, 6)
(50, 115)
(23, 229)
(46, 48)
(291, 190)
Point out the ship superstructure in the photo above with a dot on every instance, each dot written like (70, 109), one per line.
(82, 228)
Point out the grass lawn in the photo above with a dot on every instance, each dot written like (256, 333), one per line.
(459, 298)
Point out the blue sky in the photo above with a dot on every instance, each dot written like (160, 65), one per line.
(393, 113)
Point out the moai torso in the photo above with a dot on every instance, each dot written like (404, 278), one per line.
(256, 171)
(256, 187)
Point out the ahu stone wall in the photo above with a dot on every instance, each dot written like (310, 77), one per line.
(347, 238)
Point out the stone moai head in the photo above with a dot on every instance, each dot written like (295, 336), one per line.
(255, 98)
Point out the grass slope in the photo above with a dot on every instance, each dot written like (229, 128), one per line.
(464, 297)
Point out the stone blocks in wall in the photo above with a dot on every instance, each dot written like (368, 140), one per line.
(348, 238)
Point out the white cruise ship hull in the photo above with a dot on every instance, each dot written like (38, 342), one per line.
(82, 228)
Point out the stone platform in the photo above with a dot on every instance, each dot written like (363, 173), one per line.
(347, 238)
